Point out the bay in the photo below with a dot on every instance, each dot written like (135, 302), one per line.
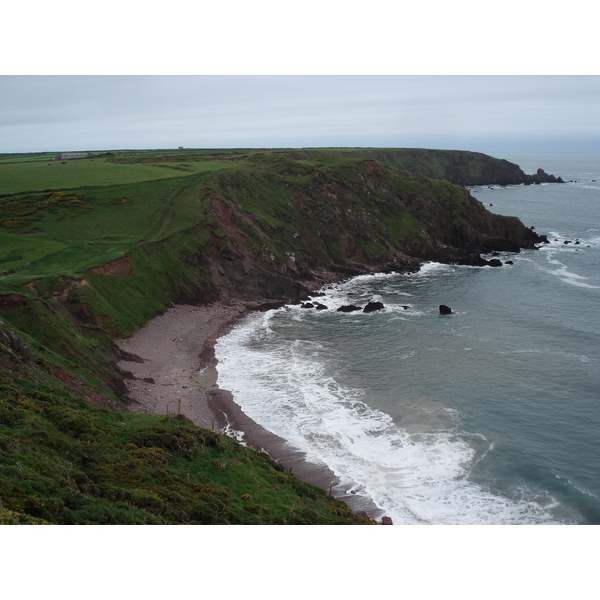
(489, 415)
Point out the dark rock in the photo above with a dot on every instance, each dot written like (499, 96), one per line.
(373, 306)
(445, 310)
(471, 260)
(348, 308)
(320, 306)
(350, 271)
(266, 306)
(509, 262)
(542, 177)
(307, 305)
(386, 521)
(150, 380)
(494, 262)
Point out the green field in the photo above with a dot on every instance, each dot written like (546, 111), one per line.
(36, 175)
(65, 218)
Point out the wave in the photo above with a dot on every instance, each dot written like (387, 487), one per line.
(563, 245)
(416, 475)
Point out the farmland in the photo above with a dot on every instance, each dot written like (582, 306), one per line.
(39, 175)
(60, 219)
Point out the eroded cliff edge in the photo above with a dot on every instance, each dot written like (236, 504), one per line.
(268, 230)
(275, 226)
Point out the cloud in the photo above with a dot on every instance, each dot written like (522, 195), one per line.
(104, 112)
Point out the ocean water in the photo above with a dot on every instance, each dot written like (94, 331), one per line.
(490, 415)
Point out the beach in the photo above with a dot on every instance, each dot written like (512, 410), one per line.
(175, 372)
(172, 370)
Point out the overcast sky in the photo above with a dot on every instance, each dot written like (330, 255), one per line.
(480, 113)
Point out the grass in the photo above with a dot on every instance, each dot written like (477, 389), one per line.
(41, 175)
(64, 462)
(101, 225)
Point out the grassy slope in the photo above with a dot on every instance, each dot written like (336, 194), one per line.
(92, 465)
(93, 227)
(64, 462)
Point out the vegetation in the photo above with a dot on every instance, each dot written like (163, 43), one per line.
(92, 249)
(64, 462)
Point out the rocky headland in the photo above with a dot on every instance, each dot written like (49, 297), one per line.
(269, 231)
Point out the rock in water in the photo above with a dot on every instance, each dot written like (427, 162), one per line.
(373, 306)
(445, 310)
(348, 308)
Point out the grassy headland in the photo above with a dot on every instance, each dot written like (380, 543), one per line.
(93, 249)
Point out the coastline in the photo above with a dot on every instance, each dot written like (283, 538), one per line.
(171, 368)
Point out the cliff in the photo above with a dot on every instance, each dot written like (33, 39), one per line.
(456, 166)
(267, 227)
(280, 223)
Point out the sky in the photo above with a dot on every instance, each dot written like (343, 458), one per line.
(483, 113)
(463, 75)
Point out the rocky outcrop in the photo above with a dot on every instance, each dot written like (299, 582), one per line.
(541, 177)
(348, 308)
(373, 306)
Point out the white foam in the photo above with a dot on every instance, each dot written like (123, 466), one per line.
(565, 275)
(415, 477)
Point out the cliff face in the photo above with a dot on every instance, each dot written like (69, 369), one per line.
(273, 227)
(283, 223)
(456, 166)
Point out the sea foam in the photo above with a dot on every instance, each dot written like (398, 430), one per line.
(418, 477)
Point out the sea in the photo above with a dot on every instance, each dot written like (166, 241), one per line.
(488, 415)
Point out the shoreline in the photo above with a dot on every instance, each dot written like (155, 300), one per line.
(171, 368)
